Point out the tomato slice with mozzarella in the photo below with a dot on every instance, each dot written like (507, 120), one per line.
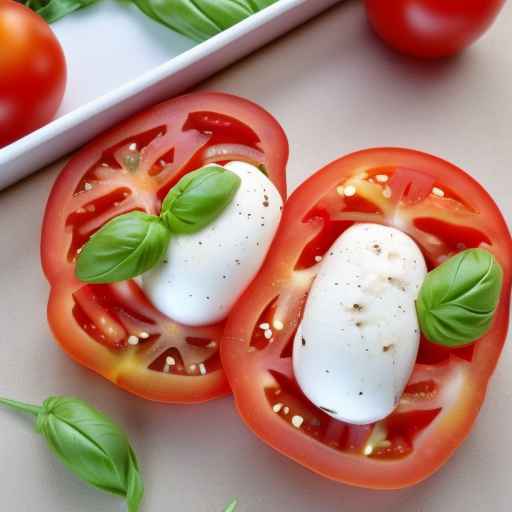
(445, 211)
(113, 329)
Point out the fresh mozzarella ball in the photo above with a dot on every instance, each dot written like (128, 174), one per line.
(357, 344)
(204, 273)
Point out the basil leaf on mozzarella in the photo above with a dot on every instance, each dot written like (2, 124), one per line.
(123, 248)
(199, 198)
(458, 299)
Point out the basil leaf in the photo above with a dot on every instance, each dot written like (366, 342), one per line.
(201, 19)
(232, 506)
(53, 10)
(124, 247)
(199, 198)
(90, 445)
(458, 299)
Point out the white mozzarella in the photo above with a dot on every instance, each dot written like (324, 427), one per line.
(203, 274)
(358, 341)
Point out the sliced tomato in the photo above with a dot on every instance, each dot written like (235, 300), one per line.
(113, 329)
(445, 211)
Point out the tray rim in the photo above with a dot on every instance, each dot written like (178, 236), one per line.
(151, 78)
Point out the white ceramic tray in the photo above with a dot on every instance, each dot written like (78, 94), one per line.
(119, 61)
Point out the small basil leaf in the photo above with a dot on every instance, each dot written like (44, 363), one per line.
(458, 299)
(90, 445)
(232, 506)
(199, 198)
(124, 247)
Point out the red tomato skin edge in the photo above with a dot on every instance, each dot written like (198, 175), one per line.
(364, 472)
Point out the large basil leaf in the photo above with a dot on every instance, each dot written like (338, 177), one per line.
(458, 299)
(201, 19)
(123, 248)
(89, 444)
(199, 198)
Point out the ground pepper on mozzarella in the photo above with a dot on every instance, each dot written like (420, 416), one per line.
(357, 343)
(203, 274)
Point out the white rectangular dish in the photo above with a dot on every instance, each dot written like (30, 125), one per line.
(119, 62)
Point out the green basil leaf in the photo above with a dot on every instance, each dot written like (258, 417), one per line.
(90, 445)
(124, 247)
(53, 10)
(199, 198)
(458, 299)
(232, 506)
(201, 19)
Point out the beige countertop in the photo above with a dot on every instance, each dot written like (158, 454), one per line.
(335, 89)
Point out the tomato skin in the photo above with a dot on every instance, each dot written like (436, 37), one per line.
(92, 323)
(32, 72)
(431, 28)
(459, 380)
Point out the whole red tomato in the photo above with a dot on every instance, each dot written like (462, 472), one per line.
(431, 28)
(32, 72)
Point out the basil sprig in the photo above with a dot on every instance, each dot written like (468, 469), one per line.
(131, 244)
(458, 299)
(89, 444)
(199, 198)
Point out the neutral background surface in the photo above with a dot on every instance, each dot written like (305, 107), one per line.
(335, 89)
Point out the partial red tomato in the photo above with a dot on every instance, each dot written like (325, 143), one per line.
(32, 72)
(132, 167)
(444, 210)
(431, 28)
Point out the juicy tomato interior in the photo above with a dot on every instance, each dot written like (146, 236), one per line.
(444, 211)
(113, 329)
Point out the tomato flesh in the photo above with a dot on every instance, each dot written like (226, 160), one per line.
(415, 193)
(113, 329)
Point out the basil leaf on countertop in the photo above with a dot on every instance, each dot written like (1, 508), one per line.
(232, 506)
(53, 10)
(89, 444)
(125, 247)
(201, 19)
(199, 198)
(458, 299)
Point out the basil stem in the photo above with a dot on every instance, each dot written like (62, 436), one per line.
(199, 198)
(89, 444)
(458, 299)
